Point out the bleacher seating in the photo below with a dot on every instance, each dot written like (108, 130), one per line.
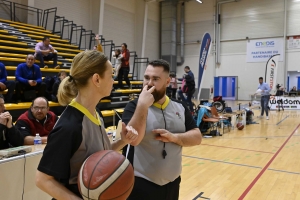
(17, 40)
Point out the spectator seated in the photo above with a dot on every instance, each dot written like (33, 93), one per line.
(5, 84)
(38, 119)
(29, 80)
(45, 51)
(10, 135)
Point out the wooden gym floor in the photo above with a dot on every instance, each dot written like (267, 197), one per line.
(262, 161)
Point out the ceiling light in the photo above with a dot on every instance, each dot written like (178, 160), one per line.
(199, 1)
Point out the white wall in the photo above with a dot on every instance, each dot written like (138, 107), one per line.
(119, 21)
(293, 59)
(247, 18)
(122, 22)
(199, 18)
(256, 19)
(79, 11)
(152, 33)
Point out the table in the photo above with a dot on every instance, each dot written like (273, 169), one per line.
(12, 176)
(237, 114)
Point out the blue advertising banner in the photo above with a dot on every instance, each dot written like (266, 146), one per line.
(204, 51)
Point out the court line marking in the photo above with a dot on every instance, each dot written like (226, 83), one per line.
(281, 136)
(237, 148)
(289, 172)
(282, 120)
(266, 167)
(222, 161)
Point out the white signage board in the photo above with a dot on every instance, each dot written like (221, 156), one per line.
(262, 50)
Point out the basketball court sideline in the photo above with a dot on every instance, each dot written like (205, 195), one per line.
(259, 162)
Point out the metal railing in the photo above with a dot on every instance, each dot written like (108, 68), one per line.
(76, 35)
(86, 39)
(27, 14)
(49, 19)
(68, 30)
(20, 13)
(6, 10)
(138, 65)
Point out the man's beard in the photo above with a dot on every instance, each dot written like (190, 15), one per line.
(158, 95)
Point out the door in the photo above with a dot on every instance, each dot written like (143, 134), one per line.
(226, 86)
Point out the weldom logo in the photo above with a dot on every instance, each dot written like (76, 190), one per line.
(289, 102)
(265, 44)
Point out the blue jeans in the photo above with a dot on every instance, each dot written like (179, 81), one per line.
(264, 103)
(188, 99)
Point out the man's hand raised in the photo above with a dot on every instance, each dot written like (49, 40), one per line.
(146, 98)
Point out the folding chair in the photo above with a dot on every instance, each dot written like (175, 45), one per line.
(223, 120)
(213, 122)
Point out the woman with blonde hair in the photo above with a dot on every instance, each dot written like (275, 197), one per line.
(80, 130)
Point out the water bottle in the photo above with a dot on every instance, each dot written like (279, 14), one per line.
(37, 142)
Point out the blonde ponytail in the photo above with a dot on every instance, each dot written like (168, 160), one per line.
(84, 65)
(67, 91)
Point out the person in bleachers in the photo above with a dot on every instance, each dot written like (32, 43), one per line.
(98, 47)
(125, 67)
(38, 119)
(45, 51)
(173, 85)
(29, 77)
(118, 56)
(293, 91)
(9, 134)
(188, 88)
(61, 75)
(5, 84)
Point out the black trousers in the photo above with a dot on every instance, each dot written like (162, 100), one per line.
(50, 56)
(40, 88)
(146, 190)
(10, 85)
(124, 71)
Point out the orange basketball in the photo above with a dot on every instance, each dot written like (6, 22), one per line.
(240, 126)
(106, 175)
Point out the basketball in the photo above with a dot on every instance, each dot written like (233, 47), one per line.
(240, 126)
(106, 175)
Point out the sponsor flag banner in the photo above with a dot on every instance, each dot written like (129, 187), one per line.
(204, 51)
(271, 71)
(262, 50)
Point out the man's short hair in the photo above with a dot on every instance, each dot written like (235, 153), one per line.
(30, 55)
(261, 78)
(45, 38)
(161, 63)
(125, 45)
(187, 67)
(42, 98)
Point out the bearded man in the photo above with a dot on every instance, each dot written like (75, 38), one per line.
(164, 127)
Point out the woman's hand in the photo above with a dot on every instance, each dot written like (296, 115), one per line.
(128, 134)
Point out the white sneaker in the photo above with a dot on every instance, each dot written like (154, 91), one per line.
(261, 116)
(267, 118)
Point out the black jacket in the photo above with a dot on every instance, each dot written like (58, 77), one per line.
(10, 137)
(190, 84)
